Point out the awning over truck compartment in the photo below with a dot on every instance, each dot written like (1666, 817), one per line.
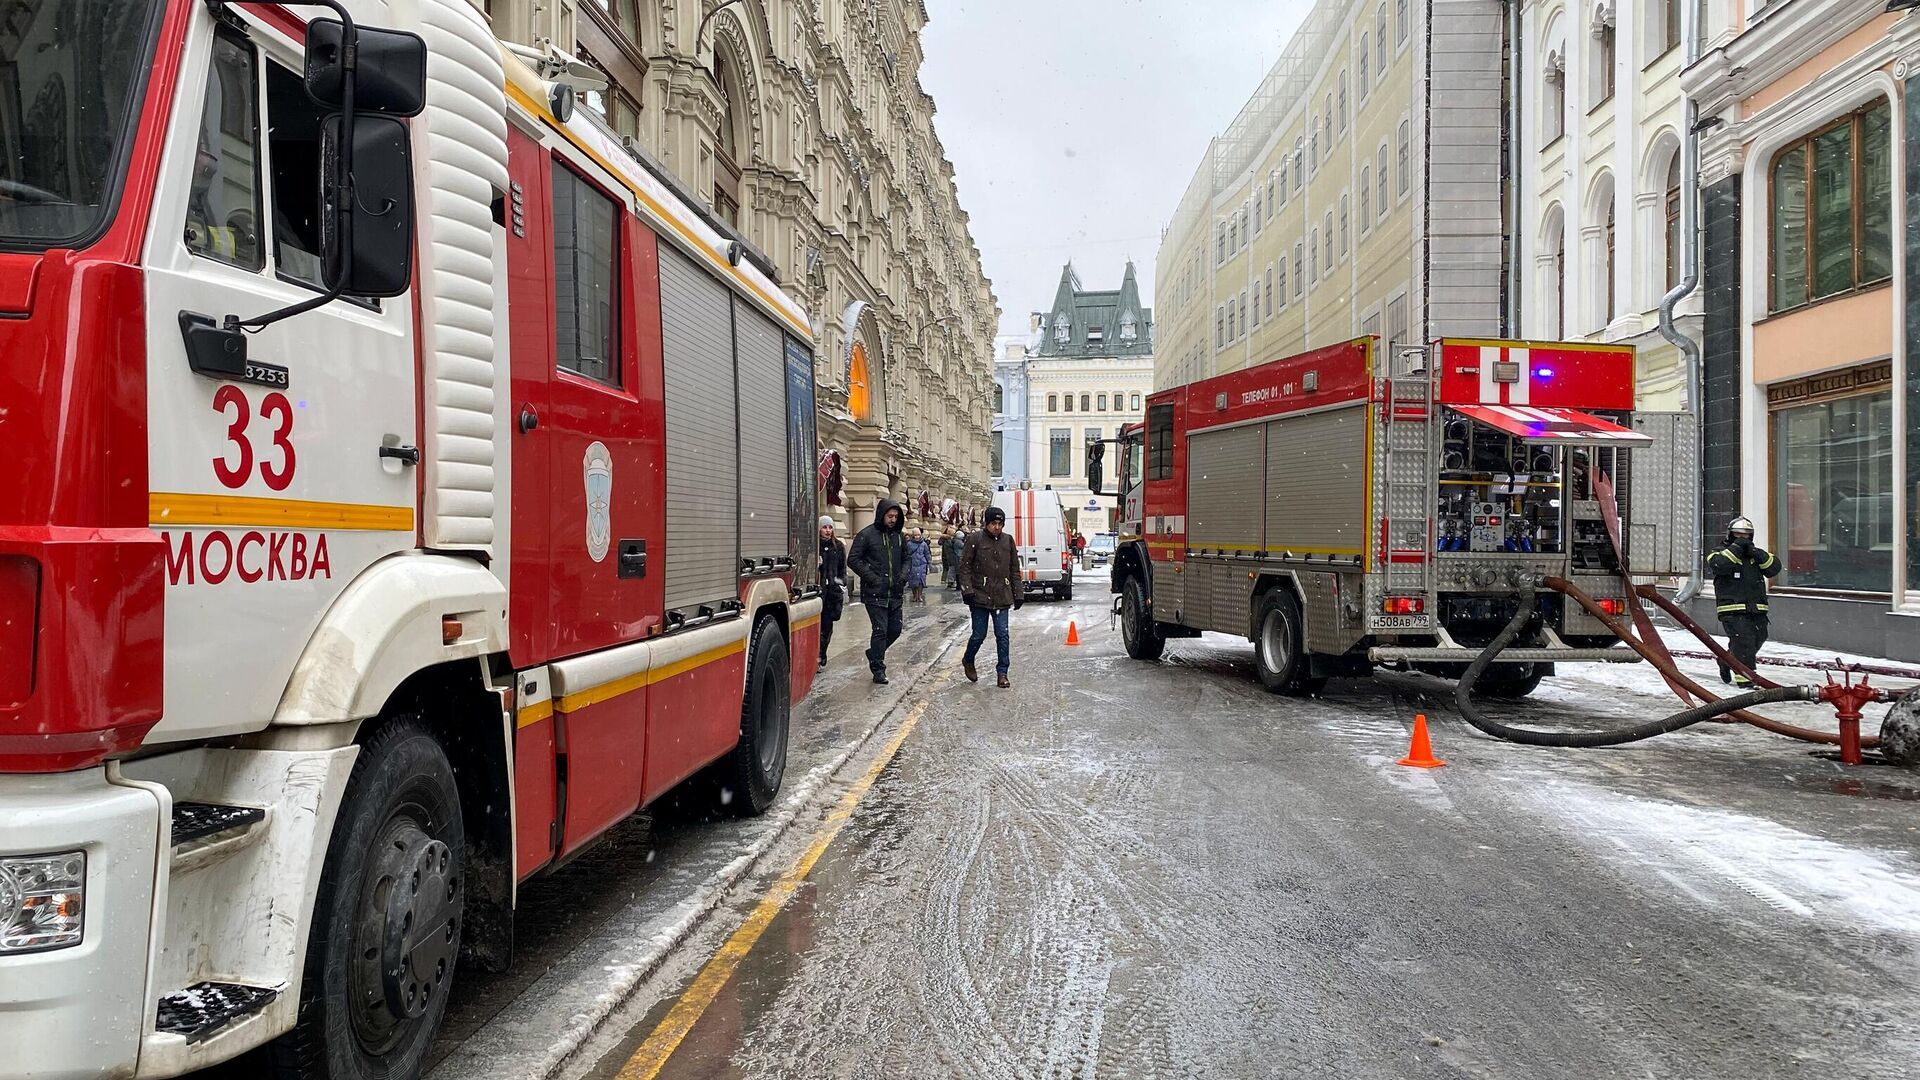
(1560, 427)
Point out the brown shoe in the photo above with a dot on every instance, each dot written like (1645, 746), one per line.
(1004, 683)
(972, 675)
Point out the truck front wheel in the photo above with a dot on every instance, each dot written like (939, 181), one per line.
(1137, 628)
(1278, 650)
(387, 918)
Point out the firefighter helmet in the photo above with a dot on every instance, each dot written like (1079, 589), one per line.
(1742, 524)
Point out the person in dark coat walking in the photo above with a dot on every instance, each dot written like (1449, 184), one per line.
(833, 584)
(990, 584)
(950, 557)
(1740, 571)
(879, 560)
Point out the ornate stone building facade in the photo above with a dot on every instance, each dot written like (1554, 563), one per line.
(803, 125)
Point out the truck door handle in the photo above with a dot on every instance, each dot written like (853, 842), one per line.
(406, 455)
(528, 419)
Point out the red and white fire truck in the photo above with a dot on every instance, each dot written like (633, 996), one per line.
(1341, 512)
(406, 487)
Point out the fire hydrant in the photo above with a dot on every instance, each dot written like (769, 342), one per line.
(1847, 698)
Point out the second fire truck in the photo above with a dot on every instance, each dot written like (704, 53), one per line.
(1344, 509)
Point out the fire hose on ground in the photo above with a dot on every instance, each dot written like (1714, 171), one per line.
(1847, 697)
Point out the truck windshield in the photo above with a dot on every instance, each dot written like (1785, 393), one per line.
(70, 83)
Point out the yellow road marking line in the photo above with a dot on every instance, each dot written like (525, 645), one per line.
(174, 508)
(652, 1055)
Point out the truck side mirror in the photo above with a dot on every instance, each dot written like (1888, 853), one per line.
(389, 71)
(366, 241)
(1096, 473)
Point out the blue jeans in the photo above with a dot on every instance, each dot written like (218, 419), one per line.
(980, 616)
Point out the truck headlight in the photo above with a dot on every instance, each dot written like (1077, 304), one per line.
(42, 901)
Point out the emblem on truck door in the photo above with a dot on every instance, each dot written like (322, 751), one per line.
(597, 475)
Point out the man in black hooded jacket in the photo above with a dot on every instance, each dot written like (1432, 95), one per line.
(879, 559)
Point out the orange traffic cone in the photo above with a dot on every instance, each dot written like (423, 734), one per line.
(1073, 633)
(1420, 755)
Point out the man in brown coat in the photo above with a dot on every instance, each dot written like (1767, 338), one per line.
(990, 584)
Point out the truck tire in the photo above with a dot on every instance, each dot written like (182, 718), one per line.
(750, 775)
(1279, 654)
(1510, 687)
(387, 918)
(1137, 628)
(1066, 589)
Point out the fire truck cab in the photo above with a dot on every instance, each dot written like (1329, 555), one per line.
(1342, 512)
(406, 485)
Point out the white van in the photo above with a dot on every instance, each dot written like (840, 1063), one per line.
(1039, 529)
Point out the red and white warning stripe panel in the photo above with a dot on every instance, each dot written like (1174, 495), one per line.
(1557, 426)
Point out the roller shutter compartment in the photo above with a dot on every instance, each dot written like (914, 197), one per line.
(1224, 480)
(1317, 483)
(763, 434)
(703, 460)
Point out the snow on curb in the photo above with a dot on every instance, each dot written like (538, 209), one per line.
(685, 917)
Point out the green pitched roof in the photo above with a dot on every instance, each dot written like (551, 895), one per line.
(1108, 322)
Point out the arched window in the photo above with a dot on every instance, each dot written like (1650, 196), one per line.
(1341, 96)
(859, 384)
(1553, 99)
(1597, 254)
(1326, 267)
(1313, 255)
(732, 136)
(1600, 77)
(1400, 17)
(1380, 37)
(1345, 230)
(1405, 163)
(999, 398)
(1326, 133)
(1380, 174)
(1553, 274)
(1299, 270)
(1366, 198)
(1610, 261)
(1361, 84)
(1673, 221)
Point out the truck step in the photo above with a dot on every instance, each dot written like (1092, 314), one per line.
(194, 821)
(204, 1008)
(1510, 656)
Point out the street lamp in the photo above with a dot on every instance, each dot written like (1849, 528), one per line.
(707, 18)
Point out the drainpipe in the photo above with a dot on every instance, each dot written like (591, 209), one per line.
(1510, 162)
(1689, 280)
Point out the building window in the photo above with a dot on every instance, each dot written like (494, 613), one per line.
(1219, 327)
(586, 278)
(1380, 177)
(1380, 37)
(1133, 403)
(1366, 198)
(1244, 328)
(1270, 202)
(1313, 255)
(1299, 272)
(1160, 442)
(1405, 162)
(1831, 204)
(1398, 330)
(1361, 84)
(1345, 231)
(1673, 221)
(1233, 234)
(1053, 403)
(1553, 242)
(1269, 288)
(1326, 140)
(1283, 275)
(1219, 243)
(1059, 451)
(1283, 182)
(1832, 491)
(1232, 333)
(1553, 103)
(1101, 403)
(996, 451)
(1663, 28)
(999, 398)
(1400, 20)
(1601, 82)
(1254, 314)
(1117, 397)
(1299, 177)
(1086, 403)
(1326, 265)
(1341, 94)
(1313, 145)
(732, 138)
(1607, 304)
(1257, 221)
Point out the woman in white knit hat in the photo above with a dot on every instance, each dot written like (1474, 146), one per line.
(833, 583)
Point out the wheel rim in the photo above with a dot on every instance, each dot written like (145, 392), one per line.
(1130, 615)
(1276, 642)
(405, 936)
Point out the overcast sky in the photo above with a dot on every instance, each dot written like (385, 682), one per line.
(1074, 125)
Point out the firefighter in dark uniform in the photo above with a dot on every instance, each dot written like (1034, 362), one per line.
(1740, 571)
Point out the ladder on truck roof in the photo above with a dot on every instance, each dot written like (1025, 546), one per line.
(1411, 426)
